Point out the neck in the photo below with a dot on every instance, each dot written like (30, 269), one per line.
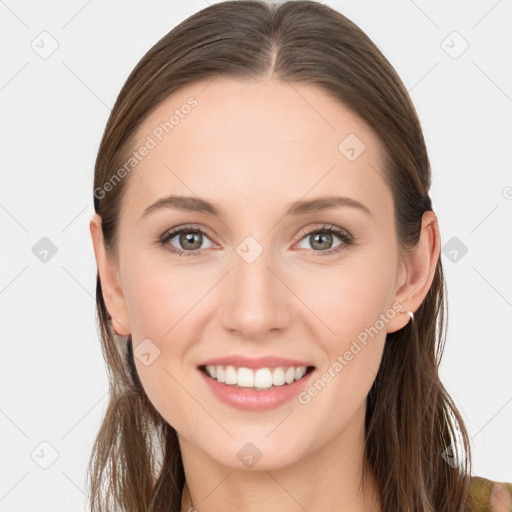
(328, 479)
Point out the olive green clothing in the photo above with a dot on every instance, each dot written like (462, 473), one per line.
(481, 499)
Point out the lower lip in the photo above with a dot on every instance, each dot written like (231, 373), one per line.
(251, 400)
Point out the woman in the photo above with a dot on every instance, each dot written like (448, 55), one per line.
(270, 294)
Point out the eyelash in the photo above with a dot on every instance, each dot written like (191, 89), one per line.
(346, 238)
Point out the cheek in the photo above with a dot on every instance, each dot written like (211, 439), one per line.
(353, 304)
(163, 303)
(349, 298)
(159, 295)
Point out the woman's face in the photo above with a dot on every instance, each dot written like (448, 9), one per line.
(264, 286)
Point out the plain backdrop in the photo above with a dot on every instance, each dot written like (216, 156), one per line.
(63, 64)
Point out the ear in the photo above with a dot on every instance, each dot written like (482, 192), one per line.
(418, 267)
(109, 277)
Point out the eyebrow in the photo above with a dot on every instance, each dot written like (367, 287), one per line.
(301, 207)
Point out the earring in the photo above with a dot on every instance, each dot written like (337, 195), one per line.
(410, 313)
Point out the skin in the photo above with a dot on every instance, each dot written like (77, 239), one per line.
(252, 147)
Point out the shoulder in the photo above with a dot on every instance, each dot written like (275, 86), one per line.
(489, 496)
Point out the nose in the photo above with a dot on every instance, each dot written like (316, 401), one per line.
(257, 302)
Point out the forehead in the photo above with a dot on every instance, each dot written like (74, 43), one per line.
(255, 142)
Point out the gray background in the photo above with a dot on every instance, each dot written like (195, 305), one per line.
(54, 108)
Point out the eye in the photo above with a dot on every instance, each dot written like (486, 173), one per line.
(188, 238)
(321, 240)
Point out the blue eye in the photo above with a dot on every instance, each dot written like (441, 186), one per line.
(192, 238)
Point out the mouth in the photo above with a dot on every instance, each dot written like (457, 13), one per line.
(256, 379)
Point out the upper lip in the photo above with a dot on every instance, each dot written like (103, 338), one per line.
(240, 361)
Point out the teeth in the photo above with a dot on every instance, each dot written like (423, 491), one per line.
(262, 378)
(278, 377)
(230, 375)
(245, 378)
(289, 376)
(300, 372)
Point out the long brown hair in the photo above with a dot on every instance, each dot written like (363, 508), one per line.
(414, 432)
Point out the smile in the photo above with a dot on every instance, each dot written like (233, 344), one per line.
(258, 379)
(255, 389)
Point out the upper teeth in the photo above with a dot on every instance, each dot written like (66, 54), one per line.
(260, 378)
